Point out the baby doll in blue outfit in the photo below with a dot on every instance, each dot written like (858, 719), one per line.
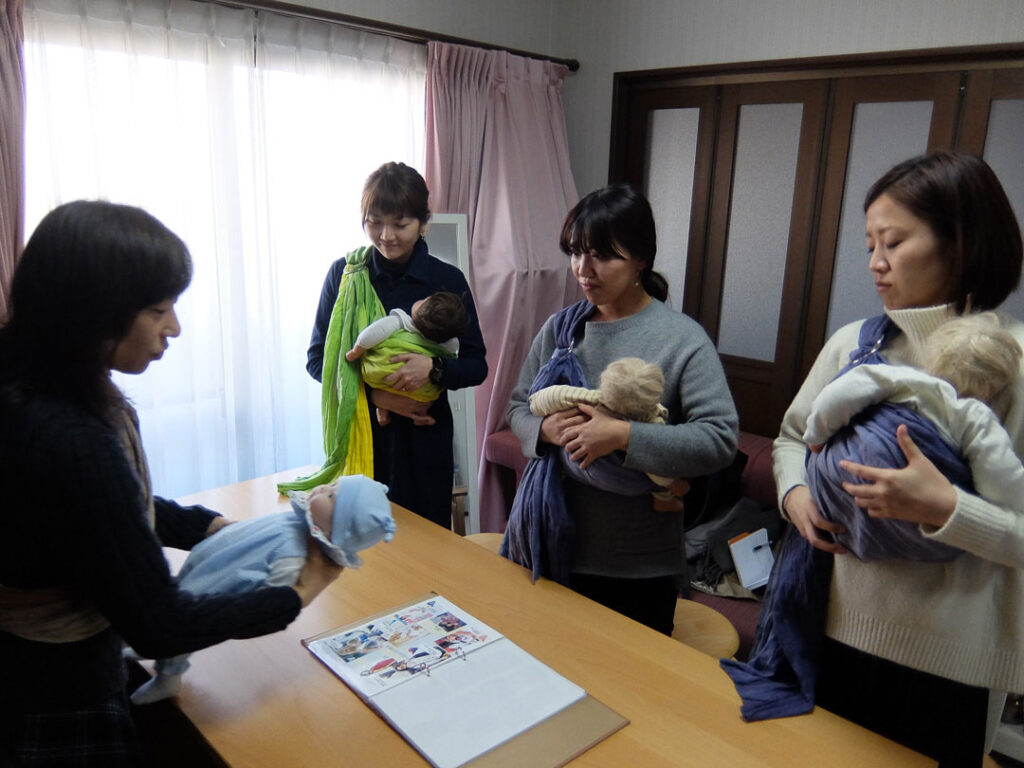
(345, 517)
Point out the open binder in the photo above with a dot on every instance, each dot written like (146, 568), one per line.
(461, 693)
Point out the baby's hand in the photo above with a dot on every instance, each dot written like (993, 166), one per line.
(355, 353)
(816, 447)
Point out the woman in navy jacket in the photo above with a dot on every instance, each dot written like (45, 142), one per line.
(415, 462)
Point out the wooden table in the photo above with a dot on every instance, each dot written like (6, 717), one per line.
(268, 702)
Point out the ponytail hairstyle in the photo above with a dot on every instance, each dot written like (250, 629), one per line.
(618, 220)
(89, 268)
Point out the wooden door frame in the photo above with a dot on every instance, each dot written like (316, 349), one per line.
(984, 87)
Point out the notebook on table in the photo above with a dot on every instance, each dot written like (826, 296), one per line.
(460, 692)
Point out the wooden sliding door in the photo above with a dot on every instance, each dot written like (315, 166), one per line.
(759, 230)
(993, 121)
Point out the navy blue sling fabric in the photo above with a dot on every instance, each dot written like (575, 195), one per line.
(609, 474)
(870, 439)
(540, 530)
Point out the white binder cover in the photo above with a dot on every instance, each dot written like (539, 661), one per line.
(455, 688)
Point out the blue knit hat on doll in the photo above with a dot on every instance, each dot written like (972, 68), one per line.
(349, 515)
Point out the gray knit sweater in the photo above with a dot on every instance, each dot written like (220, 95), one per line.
(624, 536)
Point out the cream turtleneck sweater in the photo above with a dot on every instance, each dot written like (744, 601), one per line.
(962, 620)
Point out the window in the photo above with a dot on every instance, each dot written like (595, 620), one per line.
(250, 135)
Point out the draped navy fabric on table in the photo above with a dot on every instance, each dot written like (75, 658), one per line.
(780, 676)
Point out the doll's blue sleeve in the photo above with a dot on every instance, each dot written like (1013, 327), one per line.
(240, 557)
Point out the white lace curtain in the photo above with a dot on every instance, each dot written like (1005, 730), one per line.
(250, 135)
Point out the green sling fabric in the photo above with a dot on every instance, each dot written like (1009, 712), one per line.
(343, 409)
(377, 363)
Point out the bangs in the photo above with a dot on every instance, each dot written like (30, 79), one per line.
(589, 231)
(388, 205)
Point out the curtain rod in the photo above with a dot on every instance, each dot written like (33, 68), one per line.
(408, 34)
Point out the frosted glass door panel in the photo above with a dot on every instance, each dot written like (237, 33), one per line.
(1003, 151)
(883, 134)
(671, 156)
(767, 141)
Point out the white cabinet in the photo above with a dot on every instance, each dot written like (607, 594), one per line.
(448, 239)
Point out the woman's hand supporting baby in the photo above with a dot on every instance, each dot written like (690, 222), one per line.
(918, 493)
(413, 374)
(587, 432)
(804, 514)
(216, 524)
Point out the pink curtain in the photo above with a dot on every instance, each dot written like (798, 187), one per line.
(497, 151)
(12, 144)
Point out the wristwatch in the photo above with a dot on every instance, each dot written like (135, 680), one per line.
(437, 371)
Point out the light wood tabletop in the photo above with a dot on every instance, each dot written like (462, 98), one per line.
(268, 702)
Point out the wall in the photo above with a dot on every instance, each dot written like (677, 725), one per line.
(611, 35)
(607, 36)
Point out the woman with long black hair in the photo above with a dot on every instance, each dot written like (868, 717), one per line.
(81, 566)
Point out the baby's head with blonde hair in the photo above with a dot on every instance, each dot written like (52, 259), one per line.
(632, 388)
(974, 354)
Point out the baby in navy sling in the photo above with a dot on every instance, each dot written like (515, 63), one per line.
(968, 361)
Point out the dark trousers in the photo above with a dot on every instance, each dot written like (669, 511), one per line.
(416, 463)
(649, 601)
(940, 718)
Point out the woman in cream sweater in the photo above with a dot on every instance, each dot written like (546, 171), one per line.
(913, 648)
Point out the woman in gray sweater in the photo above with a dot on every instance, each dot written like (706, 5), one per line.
(615, 547)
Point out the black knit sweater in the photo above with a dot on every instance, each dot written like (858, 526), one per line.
(71, 516)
